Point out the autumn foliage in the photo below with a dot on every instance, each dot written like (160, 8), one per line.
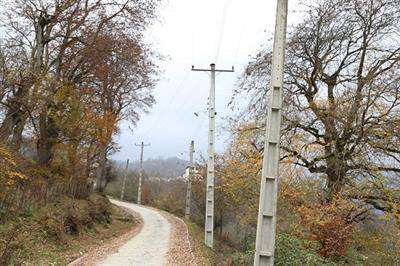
(9, 174)
(328, 225)
(70, 72)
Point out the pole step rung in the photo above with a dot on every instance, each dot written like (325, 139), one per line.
(270, 177)
(276, 108)
(265, 253)
(268, 214)
(272, 141)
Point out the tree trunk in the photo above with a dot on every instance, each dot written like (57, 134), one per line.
(88, 164)
(48, 134)
(17, 134)
(15, 118)
(336, 173)
(7, 126)
(101, 182)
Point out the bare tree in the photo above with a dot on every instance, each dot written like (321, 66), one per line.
(342, 96)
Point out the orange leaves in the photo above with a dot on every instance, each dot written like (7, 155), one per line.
(106, 126)
(302, 212)
(5, 157)
(330, 225)
(101, 125)
(238, 174)
(9, 175)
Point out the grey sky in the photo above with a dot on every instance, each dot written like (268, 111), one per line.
(189, 33)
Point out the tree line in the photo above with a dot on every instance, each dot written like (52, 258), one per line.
(70, 72)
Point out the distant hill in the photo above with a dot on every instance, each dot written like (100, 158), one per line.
(160, 167)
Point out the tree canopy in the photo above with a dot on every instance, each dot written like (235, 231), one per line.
(342, 87)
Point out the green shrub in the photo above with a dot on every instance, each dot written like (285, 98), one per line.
(292, 250)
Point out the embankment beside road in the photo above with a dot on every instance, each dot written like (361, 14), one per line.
(61, 232)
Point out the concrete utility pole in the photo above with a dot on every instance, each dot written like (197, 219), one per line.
(266, 224)
(139, 197)
(125, 176)
(209, 219)
(189, 181)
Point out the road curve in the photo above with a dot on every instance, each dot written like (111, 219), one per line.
(149, 246)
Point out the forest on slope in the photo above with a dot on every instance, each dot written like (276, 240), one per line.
(70, 72)
(170, 167)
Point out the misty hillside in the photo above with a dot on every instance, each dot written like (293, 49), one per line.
(160, 167)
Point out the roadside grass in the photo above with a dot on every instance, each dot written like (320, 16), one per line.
(221, 254)
(290, 251)
(61, 232)
(203, 254)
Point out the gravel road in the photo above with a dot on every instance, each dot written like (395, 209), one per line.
(149, 246)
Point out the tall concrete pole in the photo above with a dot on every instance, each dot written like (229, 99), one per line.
(209, 219)
(124, 182)
(266, 224)
(189, 181)
(141, 171)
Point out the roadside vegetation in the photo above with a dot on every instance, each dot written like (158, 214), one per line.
(61, 231)
(339, 189)
(70, 72)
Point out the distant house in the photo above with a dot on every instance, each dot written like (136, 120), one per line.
(185, 176)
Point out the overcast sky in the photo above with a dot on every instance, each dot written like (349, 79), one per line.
(225, 32)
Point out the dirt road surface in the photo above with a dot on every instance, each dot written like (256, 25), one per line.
(150, 246)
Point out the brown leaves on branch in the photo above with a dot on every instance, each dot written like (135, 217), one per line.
(71, 72)
(342, 93)
(330, 225)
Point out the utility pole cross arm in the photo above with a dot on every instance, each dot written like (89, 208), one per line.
(215, 70)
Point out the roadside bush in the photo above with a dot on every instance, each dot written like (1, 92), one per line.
(169, 203)
(168, 195)
(100, 208)
(330, 225)
(291, 250)
(53, 222)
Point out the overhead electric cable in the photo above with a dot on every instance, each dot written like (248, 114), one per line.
(221, 29)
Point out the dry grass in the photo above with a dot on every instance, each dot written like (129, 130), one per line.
(58, 233)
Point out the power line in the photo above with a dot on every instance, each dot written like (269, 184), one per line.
(178, 110)
(172, 98)
(185, 102)
(221, 29)
(239, 42)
